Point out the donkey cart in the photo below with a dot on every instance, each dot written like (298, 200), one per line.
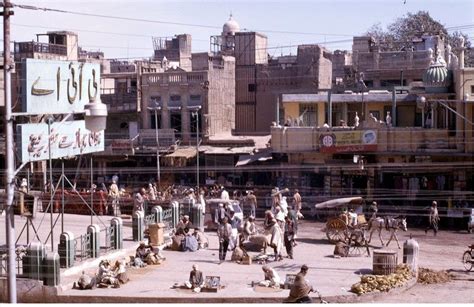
(348, 228)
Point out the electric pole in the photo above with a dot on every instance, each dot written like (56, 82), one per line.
(9, 154)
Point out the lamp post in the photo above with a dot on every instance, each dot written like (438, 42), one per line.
(156, 109)
(195, 113)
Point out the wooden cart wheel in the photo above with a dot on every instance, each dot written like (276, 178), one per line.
(336, 230)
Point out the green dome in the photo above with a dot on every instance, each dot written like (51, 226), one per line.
(437, 78)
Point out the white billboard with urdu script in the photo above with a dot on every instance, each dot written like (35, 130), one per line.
(58, 87)
(68, 139)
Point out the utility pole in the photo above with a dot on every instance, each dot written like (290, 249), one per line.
(9, 154)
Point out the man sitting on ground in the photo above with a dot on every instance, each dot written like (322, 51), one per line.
(271, 278)
(196, 280)
(203, 241)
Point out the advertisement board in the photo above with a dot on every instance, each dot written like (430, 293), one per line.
(68, 139)
(58, 87)
(348, 141)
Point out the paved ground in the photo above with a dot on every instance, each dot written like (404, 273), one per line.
(332, 277)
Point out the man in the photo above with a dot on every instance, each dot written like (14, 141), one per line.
(252, 201)
(183, 224)
(276, 235)
(289, 236)
(235, 223)
(271, 278)
(196, 280)
(85, 282)
(224, 194)
(249, 228)
(220, 214)
(203, 241)
(224, 233)
(299, 292)
(139, 201)
(114, 194)
(297, 204)
(373, 209)
(433, 218)
(151, 191)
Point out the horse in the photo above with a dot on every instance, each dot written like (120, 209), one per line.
(392, 224)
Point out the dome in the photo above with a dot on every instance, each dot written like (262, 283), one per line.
(437, 78)
(231, 26)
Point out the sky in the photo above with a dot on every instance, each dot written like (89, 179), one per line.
(329, 22)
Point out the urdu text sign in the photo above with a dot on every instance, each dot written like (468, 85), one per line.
(58, 87)
(68, 139)
(348, 141)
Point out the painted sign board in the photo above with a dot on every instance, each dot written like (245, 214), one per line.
(68, 138)
(348, 141)
(58, 87)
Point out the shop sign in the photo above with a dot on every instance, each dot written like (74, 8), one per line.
(348, 141)
(58, 87)
(67, 139)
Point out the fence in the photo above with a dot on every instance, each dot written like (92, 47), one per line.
(83, 247)
(20, 252)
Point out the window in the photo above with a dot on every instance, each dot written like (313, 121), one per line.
(472, 89)
(308, 115)
(152, 120)
(175, 98)
(252, 87)
(195, 97)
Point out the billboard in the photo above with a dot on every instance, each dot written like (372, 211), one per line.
(68, 138)
(58, 87)
(348, 141)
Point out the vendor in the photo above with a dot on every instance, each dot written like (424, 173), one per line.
(271, 278)
(196, 280)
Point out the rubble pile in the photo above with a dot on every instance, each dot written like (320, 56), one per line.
(427, 276)
(371, 283)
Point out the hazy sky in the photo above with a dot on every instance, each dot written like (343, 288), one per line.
(317, 21)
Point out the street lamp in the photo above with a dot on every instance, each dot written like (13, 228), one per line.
(195, 113)
(157, 108)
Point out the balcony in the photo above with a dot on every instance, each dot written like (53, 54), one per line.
(411, 140)
(37, 47)
(175, 78)
(120, 102)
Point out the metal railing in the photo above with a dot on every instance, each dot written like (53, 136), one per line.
(83, 247)
(20, 252)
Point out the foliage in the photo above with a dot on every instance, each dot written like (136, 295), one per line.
(400, 34)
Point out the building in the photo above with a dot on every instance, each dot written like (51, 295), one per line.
(260, 79)
(414, 146)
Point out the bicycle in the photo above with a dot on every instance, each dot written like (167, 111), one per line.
(468, 258)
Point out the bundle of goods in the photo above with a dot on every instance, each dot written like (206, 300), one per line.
(370, 283)
(427, 276)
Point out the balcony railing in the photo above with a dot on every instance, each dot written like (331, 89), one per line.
(175, 78)
(120, 102)
(30, 47)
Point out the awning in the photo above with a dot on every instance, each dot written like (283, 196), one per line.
(339, 202)
(187, 152)
(247, 159)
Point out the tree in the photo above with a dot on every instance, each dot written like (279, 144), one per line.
(401, 33)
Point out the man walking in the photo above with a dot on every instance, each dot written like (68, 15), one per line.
(289, 236)
(224, 232)
(297, 204)
(433, 218)
(252, 201)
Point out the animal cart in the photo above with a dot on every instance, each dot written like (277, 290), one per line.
(341, 227)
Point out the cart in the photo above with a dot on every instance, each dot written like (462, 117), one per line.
(339, 228)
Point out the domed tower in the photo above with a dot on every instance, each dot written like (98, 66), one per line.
(437, 78)
(228, 34)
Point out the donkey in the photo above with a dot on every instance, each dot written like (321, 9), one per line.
(392, 224)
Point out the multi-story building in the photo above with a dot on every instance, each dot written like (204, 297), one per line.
(260, 79)
(414, 146)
